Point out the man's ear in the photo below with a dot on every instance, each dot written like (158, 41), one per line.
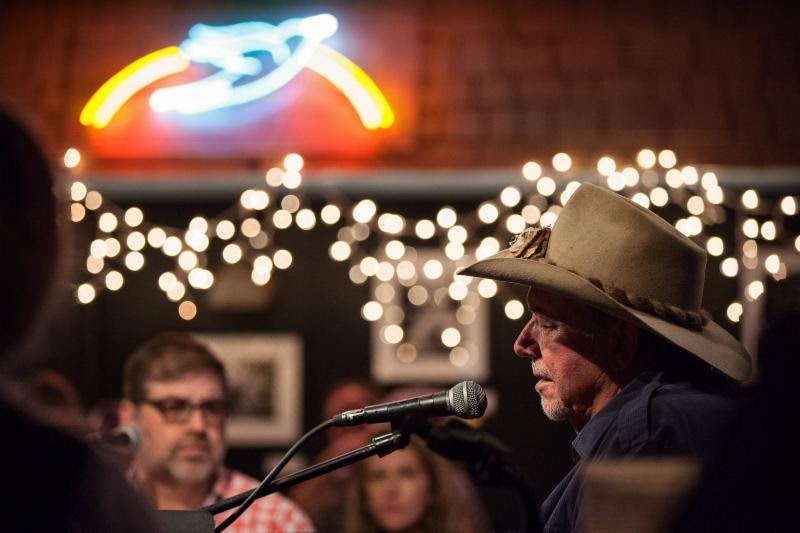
(626, 352)
(126, 411)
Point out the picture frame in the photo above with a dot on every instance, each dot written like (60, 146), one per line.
(265, 378)
(430, 361)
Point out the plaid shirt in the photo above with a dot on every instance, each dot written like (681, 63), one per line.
(274, 513)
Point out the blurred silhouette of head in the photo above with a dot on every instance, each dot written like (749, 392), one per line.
(28, 231)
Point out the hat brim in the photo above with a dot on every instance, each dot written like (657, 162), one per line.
(712, 344)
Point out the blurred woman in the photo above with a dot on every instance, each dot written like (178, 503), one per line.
(405, 492)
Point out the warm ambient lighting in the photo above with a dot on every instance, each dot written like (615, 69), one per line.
(230, 49)
(360, 90)
(105, 103)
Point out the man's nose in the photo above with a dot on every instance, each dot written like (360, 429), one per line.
(197, 420)
(525, 345)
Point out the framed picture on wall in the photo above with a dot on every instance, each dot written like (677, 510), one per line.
(414, 339)
(265, 374)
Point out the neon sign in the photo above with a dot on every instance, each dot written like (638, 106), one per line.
(240, 77)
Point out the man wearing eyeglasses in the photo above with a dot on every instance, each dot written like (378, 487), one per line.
(176, 392)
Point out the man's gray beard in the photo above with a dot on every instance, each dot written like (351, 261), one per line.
(555, 410)
(191, 472)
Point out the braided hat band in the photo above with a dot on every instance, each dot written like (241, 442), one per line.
(532, 244)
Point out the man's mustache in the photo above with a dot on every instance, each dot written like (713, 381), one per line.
(540, 370)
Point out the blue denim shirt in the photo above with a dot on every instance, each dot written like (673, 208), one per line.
(649, 417)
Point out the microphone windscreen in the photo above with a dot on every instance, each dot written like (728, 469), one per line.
(469, 400)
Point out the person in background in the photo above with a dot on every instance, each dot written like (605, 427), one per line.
(617, 339)
(407, 491)
(175, 392)
(52, 481)
(324, 497)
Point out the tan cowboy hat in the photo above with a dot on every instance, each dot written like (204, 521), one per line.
(621, 258)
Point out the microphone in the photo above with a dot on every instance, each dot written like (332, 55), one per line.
(128, 437)
(465, 400)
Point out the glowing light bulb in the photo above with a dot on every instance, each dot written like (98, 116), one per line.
(114, 280)
(487, 213)
(451, 337)
(425, 229)
(156, 237)
(134, 261)
(546, 186)
(232, 253)
(729, 267)
(642, 199)
(567, 193)
(695, 205)
(689, 175)
(531, 171)
(291, 179)
(562, 162)
(715, 246)
(167, 281)
(768, 230)
(188, 260)
(85, 293)
(293, 162)
(187, 310)
(446, 217)
(750, 199)
(510, 196)
(667, 159)
(364, 211)
(432, 269)
(172, 246)
(339, 251)
(646, 158)
(606, 165)
(330, 214)
(72, 158)
(514, 309)
(372, 311)
(789, 206)
(305, 219)
(487, 288)
(77, 212)
(616, 181)
(393, 334)
(77, 191)
(225, 229)
(282, 259)
(395, 249)
(107, 222)
(734, 312)
(531, 214)
(93, 200)
(515, 223)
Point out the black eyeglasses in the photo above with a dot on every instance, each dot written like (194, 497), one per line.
(179, 410)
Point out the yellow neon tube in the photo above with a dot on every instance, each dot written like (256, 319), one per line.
(357, 86)
(104, 103)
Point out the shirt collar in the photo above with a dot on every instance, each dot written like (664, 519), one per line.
(587, 440)
(220, 486)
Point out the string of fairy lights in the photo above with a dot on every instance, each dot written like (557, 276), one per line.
(394, 252)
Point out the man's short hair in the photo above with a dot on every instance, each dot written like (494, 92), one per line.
(165, 357)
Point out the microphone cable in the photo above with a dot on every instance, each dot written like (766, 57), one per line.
(274, 472)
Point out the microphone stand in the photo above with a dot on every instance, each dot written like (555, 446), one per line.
(381, 446)
(201, 521)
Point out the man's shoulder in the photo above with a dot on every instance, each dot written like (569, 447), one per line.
(687, 419)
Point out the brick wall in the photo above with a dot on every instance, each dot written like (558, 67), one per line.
(503, 82)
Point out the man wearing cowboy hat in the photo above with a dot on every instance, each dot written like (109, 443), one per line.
(618, 339)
